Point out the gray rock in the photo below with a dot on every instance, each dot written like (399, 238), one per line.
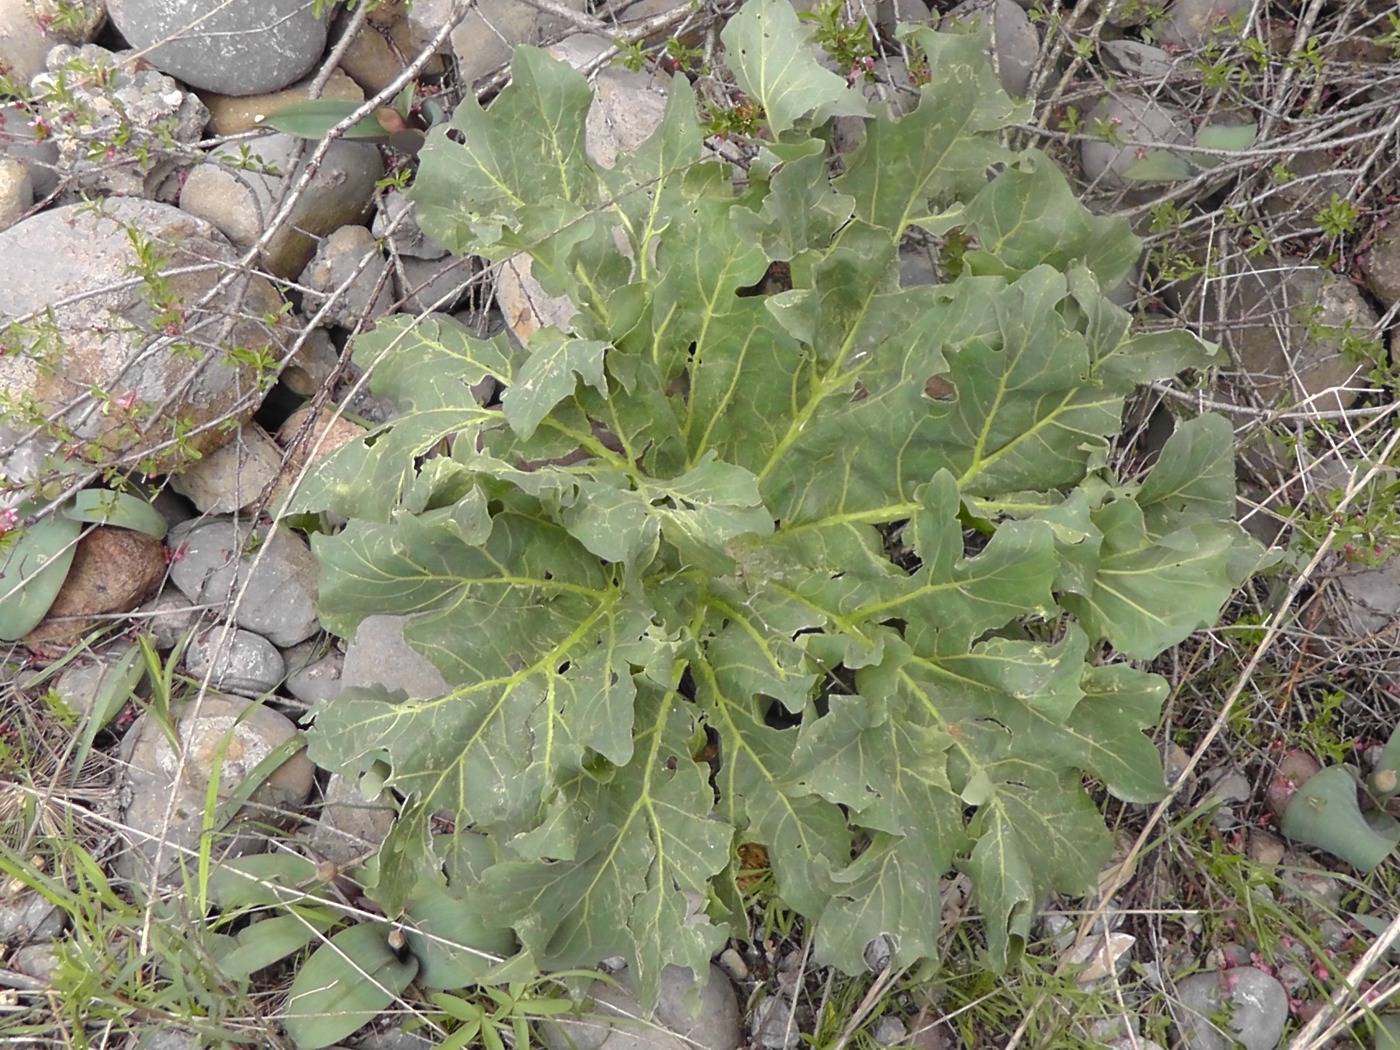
(36, 960)
(310, 366)
(773, 1024)
(889, 1031)
(378, 656)
(109, 675)
(397, 222)
(1288, 207)
(1015, 42)
(1371, 597)
(1191, 23)
(707, 1022)
(627, 106)
(168, 618)
(18, 141)
(234, 49)
(238, 200)
(1255, 1003)
(169, 1039)
(347, 280)
(1139, 126)
(1136, 59)
(78, 262)
(314, 682)
(16, 191)
(1381, 265)
(29, 29)
(485, 38)
(135, 120)
(1286, 325)
(232, 477)
(27, 917)
(272, 569)
(432, 285)
(234, 660)
(235, 733)
(350, 826)
(1133, 1042)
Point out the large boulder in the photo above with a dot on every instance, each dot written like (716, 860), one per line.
(238, 48)
(108, 343)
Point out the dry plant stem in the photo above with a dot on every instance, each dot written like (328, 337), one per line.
(1331, 1019)
(1278, 620)
(874, 995)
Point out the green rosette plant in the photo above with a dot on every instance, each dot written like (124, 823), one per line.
(842, 571)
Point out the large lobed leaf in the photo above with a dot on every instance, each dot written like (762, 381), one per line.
(832, 571)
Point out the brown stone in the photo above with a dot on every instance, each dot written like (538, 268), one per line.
(327, 433)
(114, 570)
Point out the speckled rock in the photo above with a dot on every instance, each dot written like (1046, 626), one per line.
(378, 656)
(312, 680)
(396, 221)
(234, 114)
(1256, 1003)
(232, 477)
(235, 733)
(1288, 208)
(26, 916)
(139, 115)
(235, 49)
(108, 675)
(308, 436)
(168, 618)
(433, 285)
(707, 1020)
(239, 202)
(310, 365)
(1381, 265)
(382, 48)
(268, 572)
(235, 661)
(78, 262)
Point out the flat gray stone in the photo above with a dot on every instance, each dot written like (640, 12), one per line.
(238, 48)
(1284, 323)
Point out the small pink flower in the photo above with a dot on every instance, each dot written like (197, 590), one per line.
(127, 400)
(9, 518)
